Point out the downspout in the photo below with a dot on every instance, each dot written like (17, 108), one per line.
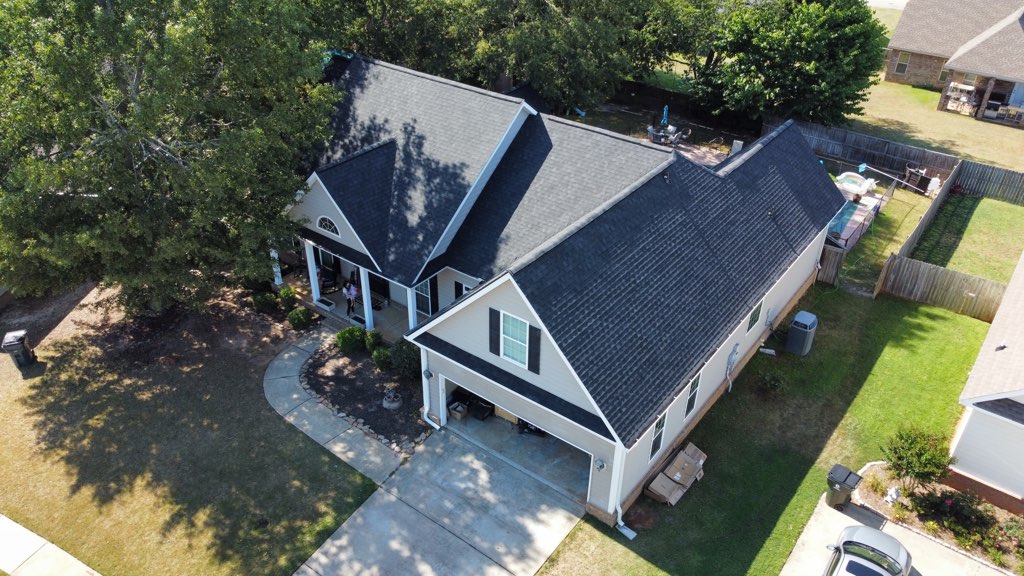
(426, 390)
(618, 462)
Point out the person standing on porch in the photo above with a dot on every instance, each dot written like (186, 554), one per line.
(350, 297)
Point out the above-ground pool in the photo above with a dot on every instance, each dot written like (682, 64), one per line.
(838, 224)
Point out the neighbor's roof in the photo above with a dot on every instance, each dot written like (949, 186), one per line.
(555, 172)
(640, 295)
(999, 370)
(443, 133)
(941, 27)
(997, 52)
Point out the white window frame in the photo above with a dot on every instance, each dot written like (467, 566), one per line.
(943, 75)
(525, 343)
(900, 62)
(657, 441)
(972, 80)
(691, 395)
(423, 289)
(320, 225)
(755, 316)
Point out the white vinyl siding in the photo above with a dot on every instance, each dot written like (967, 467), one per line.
(514, 339)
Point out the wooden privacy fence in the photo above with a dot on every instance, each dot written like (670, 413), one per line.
(830, 264)
(856, 148)
(923, 282)
(991, 182)
(929, 214)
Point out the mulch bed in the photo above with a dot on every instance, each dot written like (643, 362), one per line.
(355, 388)
(876, 502)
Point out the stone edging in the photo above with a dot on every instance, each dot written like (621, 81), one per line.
(406, 448)
(860, 502)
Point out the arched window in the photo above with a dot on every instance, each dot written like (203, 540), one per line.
(325, 223)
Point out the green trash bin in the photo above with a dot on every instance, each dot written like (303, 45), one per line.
(841, 483)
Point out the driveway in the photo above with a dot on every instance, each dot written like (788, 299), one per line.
(452, 508)
(929, 557)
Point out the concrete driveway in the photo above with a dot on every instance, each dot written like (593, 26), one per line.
(452, 508)
(930, 558)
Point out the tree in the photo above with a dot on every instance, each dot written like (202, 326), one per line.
(152, 145)
(801, 59)
(917, 457)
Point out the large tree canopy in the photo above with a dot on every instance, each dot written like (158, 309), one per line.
(152, 145)
(796, 59)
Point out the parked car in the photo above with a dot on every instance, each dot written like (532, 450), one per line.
(865, 551)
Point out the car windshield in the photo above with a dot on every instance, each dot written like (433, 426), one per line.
(869, 553)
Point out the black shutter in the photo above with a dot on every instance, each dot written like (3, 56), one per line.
(495, 331)
(533, 362)
(433, 295)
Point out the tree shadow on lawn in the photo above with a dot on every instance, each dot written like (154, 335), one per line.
(939, 242)
(906, 133)
(762, 450)
(177, 407)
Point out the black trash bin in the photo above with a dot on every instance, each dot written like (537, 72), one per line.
(841, 483)
(16, 344)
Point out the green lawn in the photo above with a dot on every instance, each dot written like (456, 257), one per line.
(906, 114)
(889, 17)
(876, 365)
(978, 236)
(154, 451)
(890, 229)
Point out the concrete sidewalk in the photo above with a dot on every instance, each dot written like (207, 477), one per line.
(319, 422)
(928, 557)
(25, 553)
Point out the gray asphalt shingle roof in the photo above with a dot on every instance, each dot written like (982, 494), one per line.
(555, 172)
(443, 134)
(940, 27)
(999, 368)
(639, 298)
(997, 52)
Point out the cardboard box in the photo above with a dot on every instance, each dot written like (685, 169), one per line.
(457, 410)
(505, 414)
(695, 454)
(664, 490)
(682, 470)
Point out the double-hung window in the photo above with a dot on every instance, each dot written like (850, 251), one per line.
(902, 62)
(423, 297)
(691, 398)
(970, 78)
(659, 434)
(514, 339)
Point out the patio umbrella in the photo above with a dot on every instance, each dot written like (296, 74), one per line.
(664, 116)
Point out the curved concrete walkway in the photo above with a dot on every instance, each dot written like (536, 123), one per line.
(25, 553)
(284, 392)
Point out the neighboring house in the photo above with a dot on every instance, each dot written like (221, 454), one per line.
(600, 287)
(989, 444)
(973, 51)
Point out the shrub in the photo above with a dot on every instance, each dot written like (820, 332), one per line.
(932, 527)
(961, 512)
(1013, 532)
(288, 297)
(405, 357)
(382, 358)
(996, 556)
(374, 340)
(916, 457)
(875, 484)
(264, 302)
(300, 318)
(351, 340)
(900, 512)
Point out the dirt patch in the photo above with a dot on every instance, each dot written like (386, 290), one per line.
(932, 527)
(355, 388)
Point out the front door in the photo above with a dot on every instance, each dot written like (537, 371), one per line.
(380, 286)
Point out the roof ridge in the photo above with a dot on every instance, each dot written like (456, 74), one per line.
(605, 132)
(354, 155)
(731, 163)
(440, 80)
(531, 256)
(988, 32)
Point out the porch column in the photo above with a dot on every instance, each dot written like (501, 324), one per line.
(426, 385)
(314, 280)
(364, 289)
(944, 95)
(984, 101)
(410, 299)
(276, 266)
